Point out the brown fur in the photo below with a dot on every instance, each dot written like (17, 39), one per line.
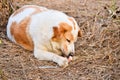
(64, 27)
(20, 34)
(62, 32)
(68, 35)
(56, 36)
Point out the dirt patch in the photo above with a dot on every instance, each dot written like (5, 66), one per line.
(98, 50)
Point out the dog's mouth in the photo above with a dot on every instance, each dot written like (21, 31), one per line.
(69, 57)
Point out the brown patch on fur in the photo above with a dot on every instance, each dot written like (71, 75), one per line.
(64, 27)
(69, 36)
(20, 34)
(37, 10)
(72, 22)
(56, 34)
(62, 32)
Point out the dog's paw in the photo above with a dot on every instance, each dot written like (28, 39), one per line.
(63, 62)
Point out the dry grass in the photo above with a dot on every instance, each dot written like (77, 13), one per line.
(5, 11)
(7, 7)
(98, 51)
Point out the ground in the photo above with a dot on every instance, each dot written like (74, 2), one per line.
(97, 51)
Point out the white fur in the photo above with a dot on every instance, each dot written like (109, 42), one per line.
(41, 31)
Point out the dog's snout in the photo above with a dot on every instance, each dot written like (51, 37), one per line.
(71, 54)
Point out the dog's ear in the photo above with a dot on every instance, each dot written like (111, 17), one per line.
(56, 33)
(79, 33)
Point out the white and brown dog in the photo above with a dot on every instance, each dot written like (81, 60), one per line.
(49, 33)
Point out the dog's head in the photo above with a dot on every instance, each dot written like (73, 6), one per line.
(65, 35)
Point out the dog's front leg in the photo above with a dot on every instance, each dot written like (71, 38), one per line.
(44, 55)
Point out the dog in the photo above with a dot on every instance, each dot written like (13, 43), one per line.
(48, 33)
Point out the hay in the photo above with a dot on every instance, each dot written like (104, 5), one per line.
(6, 8)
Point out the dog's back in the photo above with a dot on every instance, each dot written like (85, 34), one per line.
(18, 25)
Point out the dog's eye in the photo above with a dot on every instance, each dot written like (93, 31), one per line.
(68, 40)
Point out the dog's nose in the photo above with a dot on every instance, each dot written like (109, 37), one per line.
(71, 54)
